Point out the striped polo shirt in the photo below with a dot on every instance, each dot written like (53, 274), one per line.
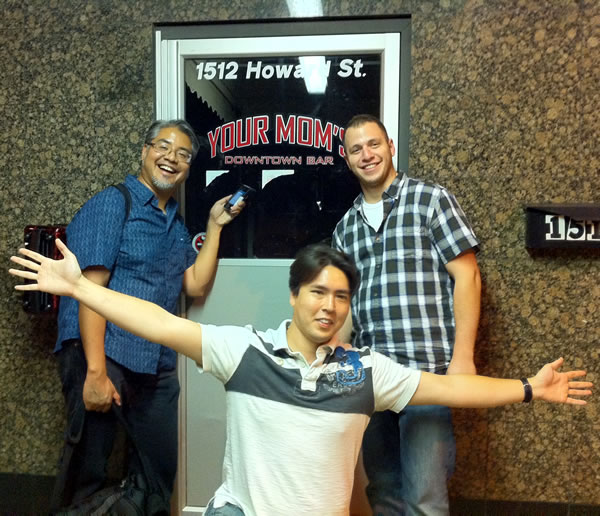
(294, 429)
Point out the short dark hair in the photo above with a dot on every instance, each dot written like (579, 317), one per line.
(182, 125)
(312, 259)
(362, 119)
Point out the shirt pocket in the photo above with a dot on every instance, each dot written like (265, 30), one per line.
(176, 258)
(411, 251)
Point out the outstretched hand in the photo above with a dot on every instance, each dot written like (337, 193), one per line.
(551, 385)
(57, 277)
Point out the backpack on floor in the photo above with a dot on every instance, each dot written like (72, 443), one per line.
(131, 498)
(137, 495)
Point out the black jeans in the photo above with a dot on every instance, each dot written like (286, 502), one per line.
(150, 409)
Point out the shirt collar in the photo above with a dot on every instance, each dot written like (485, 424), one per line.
(329, 347)
(144, 194)
(281, 343)
(281, 337)
(392, 191)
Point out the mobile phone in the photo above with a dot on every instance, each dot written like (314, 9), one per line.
(242, 194)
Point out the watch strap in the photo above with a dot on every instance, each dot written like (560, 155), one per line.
(528, 390)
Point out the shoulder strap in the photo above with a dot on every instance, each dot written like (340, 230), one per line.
(127, 195)
(153, 486)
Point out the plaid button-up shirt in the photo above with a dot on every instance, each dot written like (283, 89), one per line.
(404, 305)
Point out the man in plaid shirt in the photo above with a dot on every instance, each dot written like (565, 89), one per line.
(418, 302)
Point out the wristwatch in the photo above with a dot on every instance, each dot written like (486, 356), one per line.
(528, 390)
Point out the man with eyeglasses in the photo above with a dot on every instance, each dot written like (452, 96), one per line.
(145, 252)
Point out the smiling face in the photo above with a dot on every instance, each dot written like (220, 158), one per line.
(369, 156)
(320, 308)
(163, 173)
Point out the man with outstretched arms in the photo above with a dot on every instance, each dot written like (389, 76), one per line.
(298, 399)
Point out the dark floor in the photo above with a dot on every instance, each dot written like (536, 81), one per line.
(505, 508)
(24, 495)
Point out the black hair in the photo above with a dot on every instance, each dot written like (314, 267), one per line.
(362, 119)
(312, 259)
(182, 125)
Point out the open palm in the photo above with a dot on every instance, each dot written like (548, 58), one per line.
(560, 387)
(47, 275)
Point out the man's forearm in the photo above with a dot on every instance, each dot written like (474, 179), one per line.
(92, 328)
(140, 317)
(200, 275)
(467, 391)
(467, 300)
(134, 315)
(471, 391)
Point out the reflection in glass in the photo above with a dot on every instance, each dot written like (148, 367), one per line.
(259, 125)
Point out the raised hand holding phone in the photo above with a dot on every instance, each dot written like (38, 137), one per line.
(241, 194)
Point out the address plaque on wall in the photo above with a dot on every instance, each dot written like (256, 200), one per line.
(562, 225)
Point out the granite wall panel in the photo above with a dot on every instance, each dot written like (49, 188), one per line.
(504, 103)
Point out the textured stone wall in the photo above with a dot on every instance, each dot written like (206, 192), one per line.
(504, 103)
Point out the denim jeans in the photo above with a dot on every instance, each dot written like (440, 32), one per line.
(408, 458)
(227, 510)
(150, 409)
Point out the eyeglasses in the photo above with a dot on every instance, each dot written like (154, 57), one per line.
(164, 148)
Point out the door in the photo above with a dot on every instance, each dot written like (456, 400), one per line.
(268, 102)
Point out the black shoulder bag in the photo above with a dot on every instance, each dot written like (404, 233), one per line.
(137, 495)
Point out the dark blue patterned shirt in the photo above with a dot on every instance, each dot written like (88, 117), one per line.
(404, 303)
(147, 257)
